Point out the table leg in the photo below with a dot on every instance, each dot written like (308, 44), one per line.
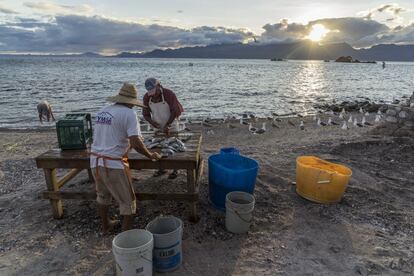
(52, 185)
(91, 179)
(191, 188)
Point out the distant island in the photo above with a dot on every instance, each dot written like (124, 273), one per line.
(305, 50)
(349, 59)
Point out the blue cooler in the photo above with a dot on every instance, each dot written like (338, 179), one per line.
(228, 173)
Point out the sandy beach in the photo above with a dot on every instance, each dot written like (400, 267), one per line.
(370, 232)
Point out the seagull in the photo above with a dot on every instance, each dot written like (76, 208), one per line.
(350, 119)
(377, 118)
(367, 113)
(341, 115)
(364, 122)
(278, 120)
(269, 118)
(252, 129)
(314, 118)
(230, 126)
(203, 123)
(358, 124)
(300, 116)
(330, 122)
(361, 110)
(330, 112)
(262, 130)
(290, 123)
(275, 125)
(343, 111)
(242, 122)
(302, 125)
(148, 127)
(345, 126)
(379, 112)
(275, 114)
(320, 123)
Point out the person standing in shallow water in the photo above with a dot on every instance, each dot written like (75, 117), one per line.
(162, 111)
(44, 111)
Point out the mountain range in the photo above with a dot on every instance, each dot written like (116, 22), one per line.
(298, 50)
(305, 50)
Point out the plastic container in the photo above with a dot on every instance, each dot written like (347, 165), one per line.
(228, 173)
(321, 181)
(132, 250)
(239, 211)
(74, 130)
(168, 234)
(229, 151)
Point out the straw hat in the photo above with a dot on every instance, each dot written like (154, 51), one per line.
(127, 95)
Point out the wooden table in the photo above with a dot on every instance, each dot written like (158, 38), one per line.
(78, 160)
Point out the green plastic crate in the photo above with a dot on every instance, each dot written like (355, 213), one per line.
(74, 131)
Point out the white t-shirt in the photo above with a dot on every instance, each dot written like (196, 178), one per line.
(113, 125)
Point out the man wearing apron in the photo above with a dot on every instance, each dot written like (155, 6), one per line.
(116, 131)
(162, 112)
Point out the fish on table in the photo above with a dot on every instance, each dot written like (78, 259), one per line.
(169, 146)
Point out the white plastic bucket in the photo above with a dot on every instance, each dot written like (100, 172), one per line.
(132, 250)
(168, 233)
(239, 209)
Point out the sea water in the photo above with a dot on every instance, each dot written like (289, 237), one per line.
(209, 88)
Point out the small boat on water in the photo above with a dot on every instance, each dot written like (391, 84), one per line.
(190, 64)
(277, 59)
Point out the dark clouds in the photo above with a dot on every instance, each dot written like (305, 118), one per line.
(80, 33)
(75, 33)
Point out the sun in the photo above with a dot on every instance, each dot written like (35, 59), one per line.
(318, 32)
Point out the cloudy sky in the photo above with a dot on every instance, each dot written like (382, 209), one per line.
(133, 25)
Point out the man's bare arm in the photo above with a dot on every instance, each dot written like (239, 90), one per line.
(137, 143)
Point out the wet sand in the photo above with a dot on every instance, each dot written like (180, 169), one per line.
(370, 232)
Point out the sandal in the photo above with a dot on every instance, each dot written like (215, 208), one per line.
(159, 173)
(173, 175)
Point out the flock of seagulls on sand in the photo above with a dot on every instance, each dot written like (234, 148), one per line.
(343, 119)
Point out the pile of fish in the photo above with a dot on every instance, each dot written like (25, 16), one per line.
(169, 146)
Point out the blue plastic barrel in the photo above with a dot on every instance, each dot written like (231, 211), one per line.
(229, 151)
(229, 173)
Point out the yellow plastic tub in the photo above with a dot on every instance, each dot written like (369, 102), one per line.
(319, 180)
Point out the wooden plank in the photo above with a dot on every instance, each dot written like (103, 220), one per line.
(51, 183)
(90, 175)
(200, 170)
(191, 189)
(140, 196)
(67, 177)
